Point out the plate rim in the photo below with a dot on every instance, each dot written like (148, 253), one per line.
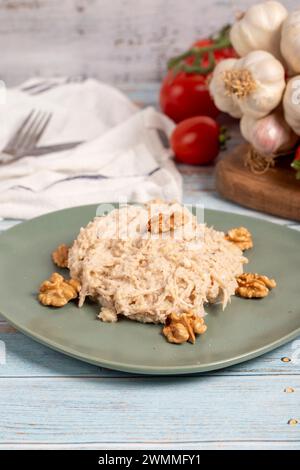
(158, 370)
(145, 369)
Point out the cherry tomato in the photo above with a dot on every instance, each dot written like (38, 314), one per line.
(185, 95)
(196, 141)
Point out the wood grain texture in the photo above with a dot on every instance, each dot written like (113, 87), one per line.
(213, 445)
(148, 410)
(48, 400)
(275, 192)
(27, 358)
(116, 41)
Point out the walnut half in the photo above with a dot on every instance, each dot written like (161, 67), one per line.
(57, 292)
(254, 286)
(241, 237)
(161, 223)
(60, 256)
(182, 328)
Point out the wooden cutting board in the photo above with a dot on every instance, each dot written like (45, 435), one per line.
(276, 192)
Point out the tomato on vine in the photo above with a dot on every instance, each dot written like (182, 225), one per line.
(184, 92)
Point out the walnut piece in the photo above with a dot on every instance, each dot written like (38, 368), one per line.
(161, 223)
(57, 292)
(182, 328)
(176, 333)
(241, 237)
(60, 256)
(254, 286)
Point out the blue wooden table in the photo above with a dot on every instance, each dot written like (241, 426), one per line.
(48, 400)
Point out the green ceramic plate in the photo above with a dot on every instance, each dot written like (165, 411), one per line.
(246, 329)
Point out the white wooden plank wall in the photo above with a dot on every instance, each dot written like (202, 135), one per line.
(115, 40)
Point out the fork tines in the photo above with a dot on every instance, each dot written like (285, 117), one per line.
(29, 132)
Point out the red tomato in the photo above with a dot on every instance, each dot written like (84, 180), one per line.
(185, 95)
(220, 54)
(196, 141)
(297, 154)
(224, 53)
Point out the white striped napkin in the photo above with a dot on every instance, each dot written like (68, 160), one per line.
(122, 157)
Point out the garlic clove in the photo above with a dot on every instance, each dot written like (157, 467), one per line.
(259, 83)
(222, 99)
(270, 135)
(290, 42)
(259, 29)
(291, 104)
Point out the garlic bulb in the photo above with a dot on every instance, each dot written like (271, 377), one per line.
(290, 42)
(291, 104)
(259, 29)
(256, 83)
(270, 135)
(223, 101)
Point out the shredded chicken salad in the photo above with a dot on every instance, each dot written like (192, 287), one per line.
(147, 262)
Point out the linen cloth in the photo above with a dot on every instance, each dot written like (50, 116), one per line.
(122, 157)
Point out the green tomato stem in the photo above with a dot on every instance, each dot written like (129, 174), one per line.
(223, 138)
(296, 165)
(221, 42)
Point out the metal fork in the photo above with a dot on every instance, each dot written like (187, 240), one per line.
(26, 137)
(47, 84)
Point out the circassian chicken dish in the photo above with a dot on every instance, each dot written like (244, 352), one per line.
(154, 263)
